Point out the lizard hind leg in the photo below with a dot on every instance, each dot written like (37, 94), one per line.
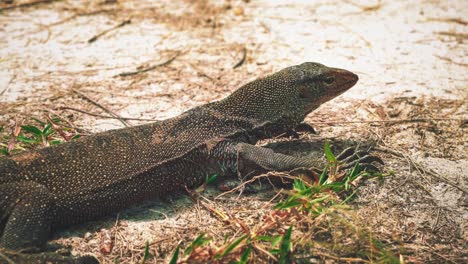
(26, 216)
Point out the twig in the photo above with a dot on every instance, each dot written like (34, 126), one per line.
(388, 121)
(266, 252)
(100, 106)
(28, 4)
(419, 167)
(7, 259)
(125, 74)
(49, 26)
(8, 85)
(105, 116)
(453, 34)
(358, 260)
(253, 179)
(154, 242)
(364, 7)
(123, 23)
(450, 20)
(242, 60)
(451, 61)
(79, 130)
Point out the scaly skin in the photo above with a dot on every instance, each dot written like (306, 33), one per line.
(110, 171)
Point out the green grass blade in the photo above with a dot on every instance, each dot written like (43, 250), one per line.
(146, 255)
(200, 241)
(40, 122)
(329, 154)
(232, 246)
(32, 129)
(47, 130)
(245, 256)
(285, 247)
(323, 175)
(24, 139)
(175, 256)
(211, 178)
(299, 185)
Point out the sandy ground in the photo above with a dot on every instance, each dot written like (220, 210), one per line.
(410, 56)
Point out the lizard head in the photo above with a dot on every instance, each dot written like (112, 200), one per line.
(316, 84)
(286, 97)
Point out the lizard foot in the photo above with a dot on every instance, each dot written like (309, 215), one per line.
(352, 156)
(301, 128)
(234, 183)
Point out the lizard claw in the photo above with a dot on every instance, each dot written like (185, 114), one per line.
(352, 156)
(347, 152)
(301, 128)
(305, 128)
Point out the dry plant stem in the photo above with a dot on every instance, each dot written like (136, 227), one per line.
(123, 23)
(462, 36)
(82, 131)
(451, 61)
(243, 184)
(49, 26)
(347, 260)
(8, 85)
(449, 20)
(28, 4)
(364, 7)
(415, 120)
(242, 60)
(262, 250)
(418, 167)
(125, 74)
(8, 260)
(106, 116)
(100, 106)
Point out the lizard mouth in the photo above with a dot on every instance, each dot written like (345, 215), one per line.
(344, 80)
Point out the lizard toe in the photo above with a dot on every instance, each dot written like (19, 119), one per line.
(367, 159)
(347, 152)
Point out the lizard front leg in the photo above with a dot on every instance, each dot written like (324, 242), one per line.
(249, 160)
(254, 159)
(25, 210)
(26, 215)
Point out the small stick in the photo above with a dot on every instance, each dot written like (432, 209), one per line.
(100, 106)
(123, 23)
(242, 60)
(450, 20)
(28, 4)
(104, 116)
(355, 260)
(451, 61)
(364, 7)
(125, 74)
(388, 121)
(7, 259)
(8, 85)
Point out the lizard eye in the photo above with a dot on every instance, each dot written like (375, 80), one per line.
(329, 80)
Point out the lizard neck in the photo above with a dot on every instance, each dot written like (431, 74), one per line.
(256, 127)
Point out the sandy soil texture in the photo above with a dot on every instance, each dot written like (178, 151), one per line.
(151, 60)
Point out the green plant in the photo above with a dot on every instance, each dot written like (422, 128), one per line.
(37, 134)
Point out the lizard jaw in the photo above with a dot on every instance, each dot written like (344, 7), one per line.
(344, 80)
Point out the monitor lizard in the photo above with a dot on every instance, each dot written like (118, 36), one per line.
(101, 174)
